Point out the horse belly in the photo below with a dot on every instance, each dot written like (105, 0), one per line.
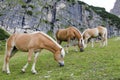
(22, 44)
(62, 38)
(22, 47)
(94, 33)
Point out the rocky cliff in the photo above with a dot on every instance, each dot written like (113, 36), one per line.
(50, 15)
(116, 8)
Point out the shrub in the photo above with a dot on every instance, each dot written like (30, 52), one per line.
(3, 34)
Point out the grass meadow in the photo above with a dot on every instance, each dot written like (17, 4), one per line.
(92, 64)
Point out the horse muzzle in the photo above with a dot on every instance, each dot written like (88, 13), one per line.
(81, 49)
(61, 63)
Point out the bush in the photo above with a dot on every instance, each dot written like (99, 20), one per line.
(3, 34)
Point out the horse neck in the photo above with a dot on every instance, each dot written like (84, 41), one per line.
(78, 35)
(52, 47)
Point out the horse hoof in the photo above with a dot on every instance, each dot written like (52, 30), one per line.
(23, 70)
(81, 50)
(61, 65)
(3, 71)
(34, 72)
(8, 72)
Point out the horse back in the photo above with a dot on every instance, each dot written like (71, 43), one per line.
(22, 41)
(62, 34)
(68, 33)
(91, 33)
(102, 29)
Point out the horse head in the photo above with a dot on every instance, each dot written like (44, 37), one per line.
(81, 43)
(59, 57)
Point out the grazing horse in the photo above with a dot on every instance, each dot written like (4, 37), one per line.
(32, 43)
(95, 32)
(69, 34)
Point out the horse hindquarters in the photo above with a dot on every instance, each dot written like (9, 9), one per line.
(8, 54)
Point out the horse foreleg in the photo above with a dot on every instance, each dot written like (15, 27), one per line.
(34, 63)
(85, 43)
(92, 42)
(29, 60)
(105, 42)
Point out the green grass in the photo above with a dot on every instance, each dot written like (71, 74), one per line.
(92, 64)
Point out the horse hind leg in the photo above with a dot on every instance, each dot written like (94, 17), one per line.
(105, 42)
(102, 41)
(7, 57)
(14, 50)
(106, 38)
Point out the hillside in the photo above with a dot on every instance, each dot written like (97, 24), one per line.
(49, 15)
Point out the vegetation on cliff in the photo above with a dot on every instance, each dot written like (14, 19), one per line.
(3, 34)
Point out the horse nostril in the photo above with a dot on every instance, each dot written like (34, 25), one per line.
(61, 65)
(81, 50)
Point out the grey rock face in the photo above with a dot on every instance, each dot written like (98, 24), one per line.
(116, 8)
(47, 15)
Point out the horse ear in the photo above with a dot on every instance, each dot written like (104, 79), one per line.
(62, 52)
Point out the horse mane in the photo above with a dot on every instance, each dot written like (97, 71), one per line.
(77, 30)
(56, 34)
(84, 31)
(51, 39)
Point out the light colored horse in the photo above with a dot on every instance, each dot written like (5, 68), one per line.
(95, 32)
(32, 43)
(69, 34)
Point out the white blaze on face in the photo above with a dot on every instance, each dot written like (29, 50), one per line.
(63, 52)
(82, 41)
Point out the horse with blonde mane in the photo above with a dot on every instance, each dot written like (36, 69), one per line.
(69, 34)
(95, 32)
(32, 43)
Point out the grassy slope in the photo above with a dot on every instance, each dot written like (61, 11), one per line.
(93, 64)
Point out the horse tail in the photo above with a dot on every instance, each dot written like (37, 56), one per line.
(10, 46)
(9, 52)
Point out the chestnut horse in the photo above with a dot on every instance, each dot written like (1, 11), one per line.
(95, 32)
(32, 43)
(69, 34)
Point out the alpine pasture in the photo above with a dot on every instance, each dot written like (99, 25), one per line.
(92, 64)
